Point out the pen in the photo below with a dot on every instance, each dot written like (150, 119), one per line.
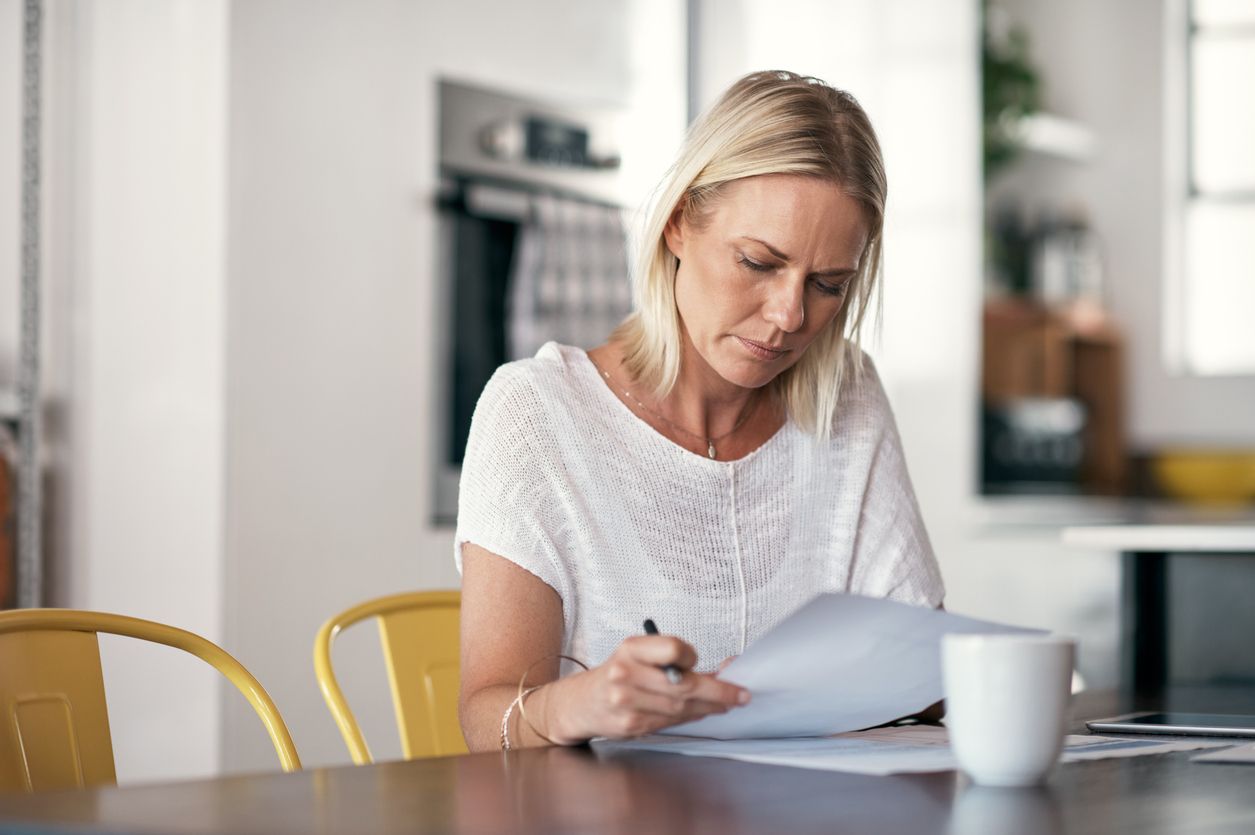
(673, 673)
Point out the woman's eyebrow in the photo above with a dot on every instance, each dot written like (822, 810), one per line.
(833, 273)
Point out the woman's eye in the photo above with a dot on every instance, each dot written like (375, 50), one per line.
(833, 289)
(754, 265)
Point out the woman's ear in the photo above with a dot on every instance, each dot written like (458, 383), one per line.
(674, 233)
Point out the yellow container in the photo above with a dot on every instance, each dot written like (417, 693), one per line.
(1206, 476)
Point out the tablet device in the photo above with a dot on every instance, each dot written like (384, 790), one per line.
(1172, 722)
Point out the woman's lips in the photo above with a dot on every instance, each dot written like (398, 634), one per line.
(761, 351)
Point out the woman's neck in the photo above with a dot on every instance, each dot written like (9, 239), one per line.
(701, 403)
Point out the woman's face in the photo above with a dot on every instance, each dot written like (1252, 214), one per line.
(766, 274)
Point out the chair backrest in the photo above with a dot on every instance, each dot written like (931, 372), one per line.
(419, 634)
(54, 725)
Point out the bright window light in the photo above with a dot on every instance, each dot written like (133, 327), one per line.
(1215, 292)
(1222, 93)
(1220, 299)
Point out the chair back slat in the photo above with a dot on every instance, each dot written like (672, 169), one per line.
(54, 723)
(420, 647)
(55, 726)
(419, 635)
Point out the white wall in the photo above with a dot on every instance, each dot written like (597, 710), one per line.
(136, 170)
(331, 303)
(1103, 64)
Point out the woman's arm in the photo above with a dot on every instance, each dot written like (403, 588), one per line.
(511, 619)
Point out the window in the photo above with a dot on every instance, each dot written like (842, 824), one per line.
(1213, 300)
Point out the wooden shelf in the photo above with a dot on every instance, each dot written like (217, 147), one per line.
(1029, 351)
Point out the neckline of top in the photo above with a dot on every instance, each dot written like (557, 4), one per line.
(601, 385)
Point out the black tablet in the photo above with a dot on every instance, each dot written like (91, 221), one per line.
(1172, 722)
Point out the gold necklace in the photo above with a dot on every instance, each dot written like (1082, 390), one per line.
(711, 452)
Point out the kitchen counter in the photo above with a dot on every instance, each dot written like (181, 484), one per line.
(1067, 512)
(1148, 539)
(1233, 536)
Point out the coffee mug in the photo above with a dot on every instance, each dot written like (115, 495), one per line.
(1007, 699)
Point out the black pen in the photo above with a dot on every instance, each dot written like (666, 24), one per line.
(673, 673)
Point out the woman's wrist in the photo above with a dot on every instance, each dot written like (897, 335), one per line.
(556, 714)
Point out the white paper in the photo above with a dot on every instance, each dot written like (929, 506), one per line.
(1240, 754)
(881, 751)
(840, 663)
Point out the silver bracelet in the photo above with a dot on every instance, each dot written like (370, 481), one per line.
(505, 718)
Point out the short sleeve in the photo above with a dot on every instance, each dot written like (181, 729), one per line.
(893, 557)
(506, 494)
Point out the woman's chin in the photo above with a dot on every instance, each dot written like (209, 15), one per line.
(750, 376)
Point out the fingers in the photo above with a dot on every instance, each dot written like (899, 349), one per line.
(693, 686)
(635, 696)
(697, 686)
(660, 650)
(671, 708)
(642, 659)
(697, 709)
(635, 712)
(710, 688)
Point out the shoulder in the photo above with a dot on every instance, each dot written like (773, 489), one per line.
(862, 405)
(531, 382)
(521, 397)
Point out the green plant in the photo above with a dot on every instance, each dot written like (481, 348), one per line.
(1010, 87)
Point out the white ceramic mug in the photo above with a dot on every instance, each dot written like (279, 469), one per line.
(1007, 699)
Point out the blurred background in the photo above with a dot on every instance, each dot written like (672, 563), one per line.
(281, 243)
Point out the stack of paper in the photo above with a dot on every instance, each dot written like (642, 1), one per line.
(840, 663)
(884, 750)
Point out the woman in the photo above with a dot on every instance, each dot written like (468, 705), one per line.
(725, 456)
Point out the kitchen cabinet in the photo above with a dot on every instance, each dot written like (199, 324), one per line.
(1052, 387)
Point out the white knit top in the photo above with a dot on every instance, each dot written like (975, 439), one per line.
(563, 479)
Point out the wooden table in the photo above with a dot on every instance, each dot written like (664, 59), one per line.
(564, 790)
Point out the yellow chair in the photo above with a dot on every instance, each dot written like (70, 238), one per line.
(419, 634)
(54, 725)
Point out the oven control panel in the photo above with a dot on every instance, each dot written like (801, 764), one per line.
(542, 141)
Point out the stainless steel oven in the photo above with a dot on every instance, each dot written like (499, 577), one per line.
(531, 246)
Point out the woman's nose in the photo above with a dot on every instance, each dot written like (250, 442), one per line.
(784, 308)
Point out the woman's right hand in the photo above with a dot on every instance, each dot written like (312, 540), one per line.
(512, 626)
(630, 695)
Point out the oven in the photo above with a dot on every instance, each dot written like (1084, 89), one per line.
(531, 247)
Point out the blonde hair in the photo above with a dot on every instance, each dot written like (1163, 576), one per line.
(772, 122)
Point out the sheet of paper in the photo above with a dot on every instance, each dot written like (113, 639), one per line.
(881, 751)
(1239, 754)
(840, 663)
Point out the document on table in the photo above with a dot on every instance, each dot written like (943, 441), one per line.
(1240, 754)
(840, 663)
(881, 751)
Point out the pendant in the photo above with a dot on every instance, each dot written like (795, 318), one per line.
(710, 449)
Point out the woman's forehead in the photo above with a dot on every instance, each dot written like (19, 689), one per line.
(791, 212)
